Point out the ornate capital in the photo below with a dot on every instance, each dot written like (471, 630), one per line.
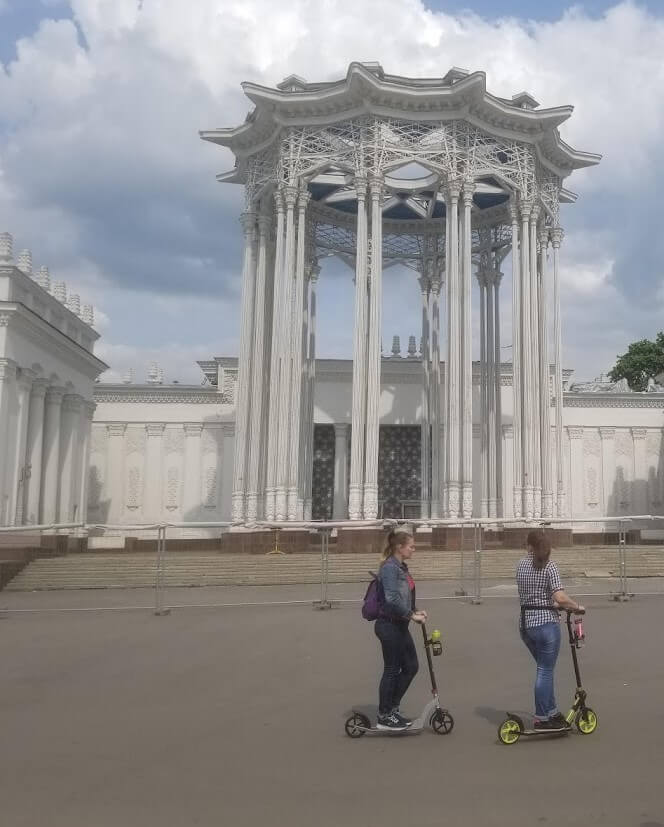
(468, 191)
(341, 430)
(278, 201)
(116, 428)
(543, 237)
(453, 190)
(26, 377)
(526, 207)
(155, 428)
(425, 284)
(5, 318)
(248, 221)
(376, 187)
(639, 433)
(607, 433)
(264, 223)
(303, 199)
(535, 213)
(436, 283)
(513, 211)
(54, 395)
(557, 236)
(361, 187)
(89, 409)
(193, 428)
(38, 390)
(290, 197)
(7, 370)
(71, 403)
(508, 431)
(228, 428)
(575, 433)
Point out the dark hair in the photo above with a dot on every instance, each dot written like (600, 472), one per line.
(539, 543)
(395, 539)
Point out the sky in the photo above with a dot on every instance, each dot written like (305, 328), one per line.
(103, 175)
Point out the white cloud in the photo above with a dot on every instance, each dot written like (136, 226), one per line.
(103, 171)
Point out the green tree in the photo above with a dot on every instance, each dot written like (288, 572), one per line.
(644, 360)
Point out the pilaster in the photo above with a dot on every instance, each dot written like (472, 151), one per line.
(577, 471)
(467, 353)
(517, 370)
(340, 508)
(7, 395)
(153, 470)
(452, 494)
(34, 450)
(51, 454)
(71, 409)
(610, 505)
(20, 462)
(191, 505)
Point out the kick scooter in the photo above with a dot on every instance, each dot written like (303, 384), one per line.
(433, 715)
(583, 717)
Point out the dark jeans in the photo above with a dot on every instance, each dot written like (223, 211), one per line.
(400, 660)
(543, 643)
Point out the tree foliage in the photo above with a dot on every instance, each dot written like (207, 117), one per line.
(644, 360)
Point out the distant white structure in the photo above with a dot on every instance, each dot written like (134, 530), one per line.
(47, 372)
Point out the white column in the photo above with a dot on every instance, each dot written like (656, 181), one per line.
(544, 379)
(467, 353)
(264, 459)
(528, 366)
(296, 346)
(491, 395)
(609, 504)
(243, 395)
(359, 401)
(497, 392)
(34, 450)
(640, 486)
(517, 369)
(484, 466)
(373, 352)
(508, 470)
(452, 364)
(577, 474)
(256, 446)
(306, 409)
(7, 394)
(191, 500)
(311, 376)
(225, 466)
(51, 455)
(71, 411)
(87, 412)
(339, 511)
(435, 396)
(286, 358)
(425, 425)
(152, 500)
(561, 505)
(535, 345)
(275, 361)
(20, 460)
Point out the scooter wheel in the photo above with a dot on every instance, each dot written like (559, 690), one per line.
(586, 721)
(441, 722)
(509, 731)
(357, 725)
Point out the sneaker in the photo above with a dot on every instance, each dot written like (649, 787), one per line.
(401, 718)
(558, 721)
(391, 722)
(542, 724)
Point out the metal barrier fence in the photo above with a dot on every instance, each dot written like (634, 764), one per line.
(470, 572)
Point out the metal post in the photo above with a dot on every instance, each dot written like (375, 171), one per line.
(622, 596)
(324, 603)
(461, 591)
(476, 599)
(159, 608)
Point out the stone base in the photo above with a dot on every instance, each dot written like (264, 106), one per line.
(361, 541)
(607, 538)
(450, 538)
(285, 540)
(515, 537)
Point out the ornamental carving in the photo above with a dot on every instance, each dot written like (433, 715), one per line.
(323, 472)
(592, 499)
(591, 444)
(134, 487)
(399, 470)
(229, 383)
(95, 486)
(210, 441)
(210, 487)
(172, 487)
(654, 443)
(624, 444)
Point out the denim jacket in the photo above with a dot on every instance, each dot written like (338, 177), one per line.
(399, 603)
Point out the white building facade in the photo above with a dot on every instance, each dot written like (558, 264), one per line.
(47, 374)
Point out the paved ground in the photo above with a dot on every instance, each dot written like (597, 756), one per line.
(234, 716)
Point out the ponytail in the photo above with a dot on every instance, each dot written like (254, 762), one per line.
(541, 548)
(395, 539)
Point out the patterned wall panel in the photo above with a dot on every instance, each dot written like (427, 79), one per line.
(323, 473)
(399, 467)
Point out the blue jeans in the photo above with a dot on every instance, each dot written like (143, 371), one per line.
(400, 659)
(543, 643)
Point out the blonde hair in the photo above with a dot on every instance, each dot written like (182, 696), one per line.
(395, 539)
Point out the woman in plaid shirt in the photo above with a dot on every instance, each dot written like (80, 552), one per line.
(539, 583)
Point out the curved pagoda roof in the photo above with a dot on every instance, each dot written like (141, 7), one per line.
(368, 90)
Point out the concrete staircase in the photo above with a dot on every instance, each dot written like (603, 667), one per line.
(127, 570)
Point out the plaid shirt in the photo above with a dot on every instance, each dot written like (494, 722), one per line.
(536, 588)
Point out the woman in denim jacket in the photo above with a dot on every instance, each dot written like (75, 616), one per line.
(391, 628)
